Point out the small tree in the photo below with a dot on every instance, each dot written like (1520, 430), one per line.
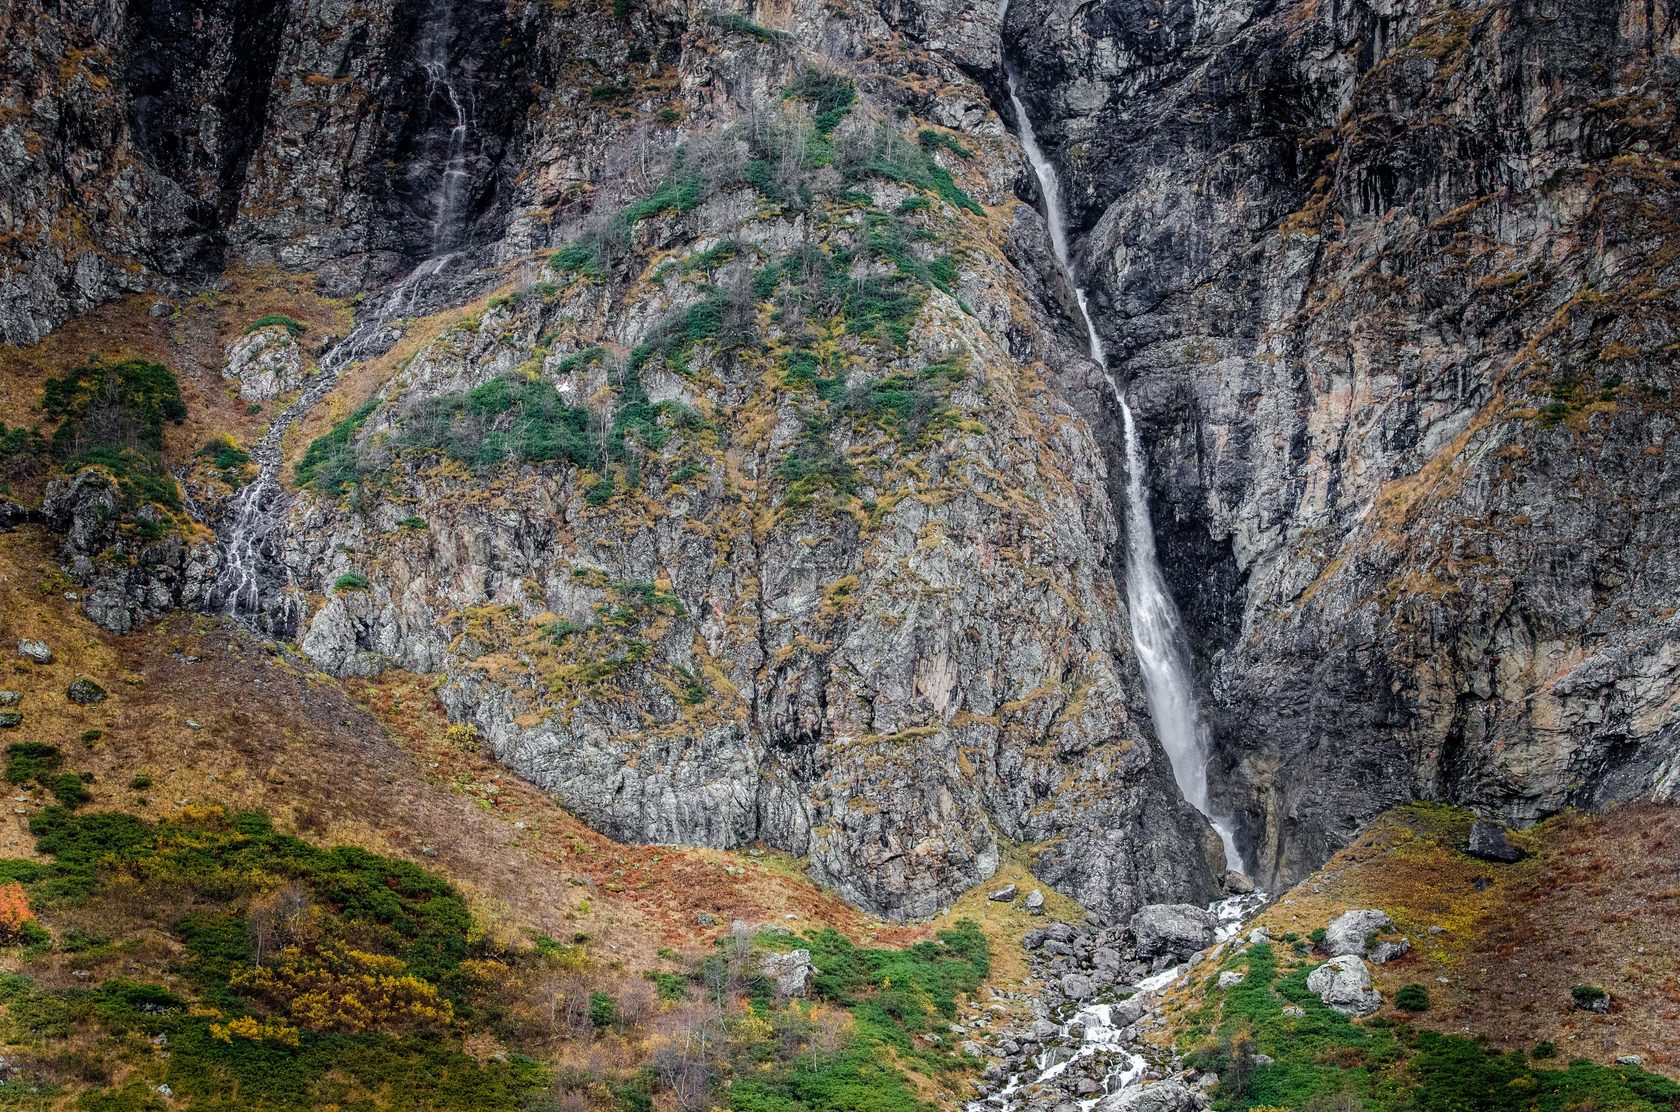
(16, 916)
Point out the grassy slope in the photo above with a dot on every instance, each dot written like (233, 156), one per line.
(1596, 902)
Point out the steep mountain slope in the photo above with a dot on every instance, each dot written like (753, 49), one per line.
(694, 393)
(1393, 287)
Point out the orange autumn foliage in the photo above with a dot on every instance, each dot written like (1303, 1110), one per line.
(15, 913)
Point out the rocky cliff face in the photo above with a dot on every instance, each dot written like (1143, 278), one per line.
(720, 436)
(1392, 287)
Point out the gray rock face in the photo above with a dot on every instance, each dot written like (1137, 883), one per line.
(1365, 933)
(1383, 426)
(1488, 841)
(1176, 930)
(1344, 983)
(265, 363)
(125, 578)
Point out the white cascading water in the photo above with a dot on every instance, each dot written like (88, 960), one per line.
(256, 517)
(1157, 630)
(432, 52)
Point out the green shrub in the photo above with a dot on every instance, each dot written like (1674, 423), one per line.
(330, 464)
(277, 319)
(1544, 1050)
(930, 140)
(224, 454)
(351, 581)
(112, 415)
(31, 760)
(741, 25)
(670, 986)
(1412, 998)
(603, 1009)
(141, 782)
(829, 95)
(412, 523)
(510, 417)
(1589, 997)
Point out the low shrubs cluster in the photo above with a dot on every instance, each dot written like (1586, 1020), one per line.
(112, 416)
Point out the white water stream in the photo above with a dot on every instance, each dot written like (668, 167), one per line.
(254, 522)
(1158, 635)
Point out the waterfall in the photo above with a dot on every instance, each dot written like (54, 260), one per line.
(454, 175)
(1158, 635)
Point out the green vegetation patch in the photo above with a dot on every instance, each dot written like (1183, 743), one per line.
(1321, 1058)
(330, 464)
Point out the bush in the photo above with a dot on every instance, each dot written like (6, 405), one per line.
(351, 581)
(603, 1009)
(330, 465)
(16, 916)
(1544, 1050)
(277, 319)
(507, 417)
(224, 454)
(112, 415)
(1590, 998)
(1412, 998)
(31, 760)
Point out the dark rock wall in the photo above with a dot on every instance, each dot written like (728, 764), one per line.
(1390, 285)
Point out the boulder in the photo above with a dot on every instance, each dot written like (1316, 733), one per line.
(1006, 894)
(36, 651)
(1035, 902)
(10, 719)
(1178, 930)
(791, 971)
(1488, 841)
(1344, 983)
(84, 691)
(1076, 987)
(1365, 933)
(1238, 884)
(10, 698)
(1162, 1096)
(1230, 977)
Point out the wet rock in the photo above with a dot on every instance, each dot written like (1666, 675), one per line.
(36, 651)
(1076, 987)
(1488, 841)
(1174, 930)
(1238, 884)
(1344, 983)
(84, 692)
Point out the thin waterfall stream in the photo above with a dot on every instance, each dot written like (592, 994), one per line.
(252, 574)
(1158, 635)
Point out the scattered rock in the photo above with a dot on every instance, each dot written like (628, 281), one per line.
(1006, 894)
(1629, 1060)
(1035, 902)
(10, 698)
(10, 719)
(704, 920)
(1488, 841)
(1344, 983)
(1591, 998)
(1257, 936)
(84, 691)
(36, 651)
(1230, 977)
(1178, 930)
(791, 971)
(428, 851)
(1294, 1011)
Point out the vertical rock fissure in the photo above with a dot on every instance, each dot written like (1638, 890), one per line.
(1158, 635)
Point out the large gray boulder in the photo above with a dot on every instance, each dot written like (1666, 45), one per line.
(791, 972)
(1177, 930)
(1365, 933)
(1344, 983)
(1163, 1096)
(36, 651)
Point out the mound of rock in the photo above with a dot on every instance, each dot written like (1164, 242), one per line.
(1365, 933)
(1344, 983)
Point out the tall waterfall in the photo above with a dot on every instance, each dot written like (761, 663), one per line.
(1157, 629)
